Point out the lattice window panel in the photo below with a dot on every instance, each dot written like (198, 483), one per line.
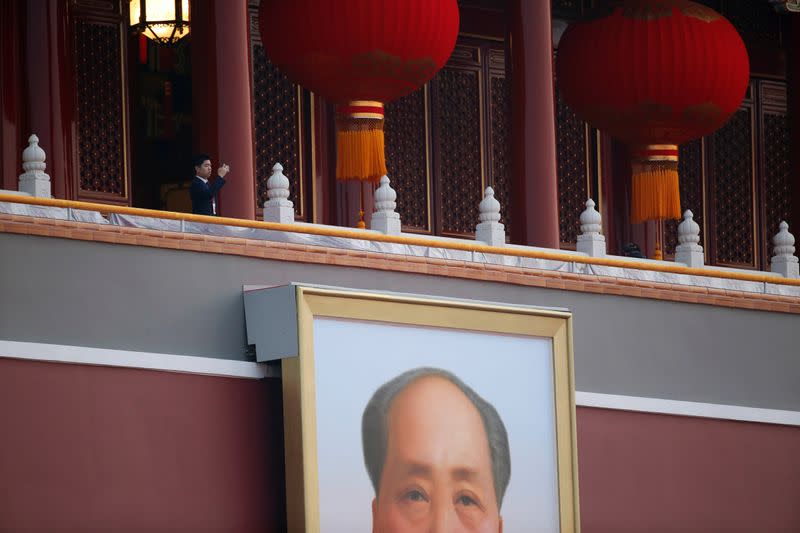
(500, 120)
(460, 171)
(572, 172)
(277, 118)
(406, 141)
(733, 198)
(777, 186)
(100, 109)
(690, 173)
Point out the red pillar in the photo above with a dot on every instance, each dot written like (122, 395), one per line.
(793, 101)
(222, 98)
(617, 199)
(325, 205)
(48, 90)
(533, 132)
(610, 201)
(11, 38)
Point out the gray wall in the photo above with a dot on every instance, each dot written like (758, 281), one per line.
(136, 298)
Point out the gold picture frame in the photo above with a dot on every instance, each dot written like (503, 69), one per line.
(299, 387)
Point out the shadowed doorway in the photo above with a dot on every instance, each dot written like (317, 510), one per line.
(161, 108)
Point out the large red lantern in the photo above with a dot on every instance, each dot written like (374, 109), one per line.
(359, 54)
(655, 74)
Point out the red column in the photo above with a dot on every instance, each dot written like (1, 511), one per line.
(11, 147)
(48, 90)
(533, 133)
(617, 199)
(222, 98)
(324, 211)
(610, 202)
(204, 75)
(793, 97)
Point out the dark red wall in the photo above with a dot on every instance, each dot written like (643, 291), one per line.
(99, 448)
(662, 473)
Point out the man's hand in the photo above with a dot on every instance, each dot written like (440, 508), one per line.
(221, 171)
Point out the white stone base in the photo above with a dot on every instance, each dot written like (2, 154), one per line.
(283, 214)
(691, 257)
(787, 267)
(492, 233)
(591, 245)
(387, 223)
(35, 186)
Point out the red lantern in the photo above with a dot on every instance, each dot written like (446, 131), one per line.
(655, 74)
(359, 54)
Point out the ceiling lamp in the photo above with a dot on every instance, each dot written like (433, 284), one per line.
(164, 21)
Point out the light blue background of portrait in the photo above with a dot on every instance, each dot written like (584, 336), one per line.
(513, 373)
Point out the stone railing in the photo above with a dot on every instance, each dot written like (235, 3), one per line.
(489, 230)
(591, 240)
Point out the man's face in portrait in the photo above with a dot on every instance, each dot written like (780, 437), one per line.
(437, 476)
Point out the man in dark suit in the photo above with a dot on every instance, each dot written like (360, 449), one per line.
(202, 192)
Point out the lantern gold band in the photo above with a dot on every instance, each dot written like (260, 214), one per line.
(656, 152)
(365, 109)
(376, 116)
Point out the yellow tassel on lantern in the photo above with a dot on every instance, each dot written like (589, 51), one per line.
(360, 155)
(360, 142)
(360, 145)
(655, 190)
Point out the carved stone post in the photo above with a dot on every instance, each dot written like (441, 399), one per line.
(591, 241)
(34, 181)
(278, 208)
(784, 261)
(385, 219)
(489, 229)
(689, 250)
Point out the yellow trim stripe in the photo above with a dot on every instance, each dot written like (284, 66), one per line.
(401, 239)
